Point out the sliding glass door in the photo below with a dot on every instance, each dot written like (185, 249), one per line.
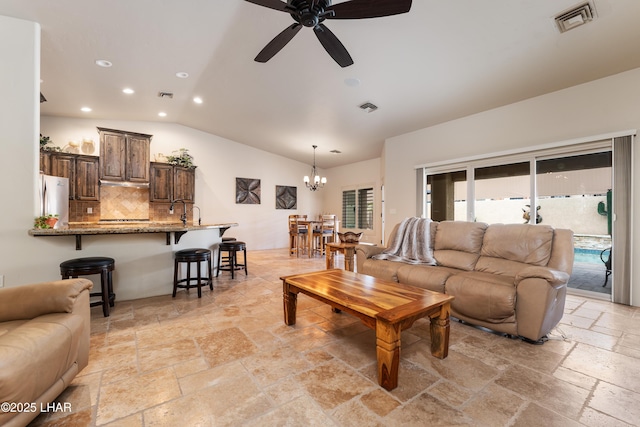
(563, 187)
(574, 192)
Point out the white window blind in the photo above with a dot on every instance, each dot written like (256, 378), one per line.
(357, 208)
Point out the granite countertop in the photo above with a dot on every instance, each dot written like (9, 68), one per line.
(81, 228)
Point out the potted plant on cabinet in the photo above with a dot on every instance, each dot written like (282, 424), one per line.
(45, 221)
(182, 158)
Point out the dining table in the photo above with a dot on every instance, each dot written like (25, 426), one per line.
(311, 224)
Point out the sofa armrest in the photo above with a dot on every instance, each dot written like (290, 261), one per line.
(367, 251)
(555, 278)
(30, 301)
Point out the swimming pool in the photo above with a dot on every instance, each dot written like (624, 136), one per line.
(591, 256)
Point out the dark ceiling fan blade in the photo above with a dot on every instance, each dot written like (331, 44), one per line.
(278, 42)
(360, 9)
(272, 4)
(333, 46)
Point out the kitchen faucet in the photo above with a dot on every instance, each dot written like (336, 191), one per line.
(183, 217)
(199, 219)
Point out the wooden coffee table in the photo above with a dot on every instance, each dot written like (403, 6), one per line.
(386, 307)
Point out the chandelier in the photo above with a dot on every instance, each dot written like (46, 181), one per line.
(317, 181)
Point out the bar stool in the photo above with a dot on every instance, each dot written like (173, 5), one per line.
(189, 256)
(94, 265)
(225, 259)
(232, 248)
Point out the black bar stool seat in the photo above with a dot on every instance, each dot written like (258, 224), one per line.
(198, 256)
(232, 247)
(103, 266)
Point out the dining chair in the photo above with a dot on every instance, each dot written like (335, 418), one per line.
(325, 233)
(297, 234)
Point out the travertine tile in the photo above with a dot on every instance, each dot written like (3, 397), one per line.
(535, 416)
(333, 384)
(228, 359)
(493, 406)
(118, 400)
(616, 402)
(550, 392)
(605, 365)
(301, 412)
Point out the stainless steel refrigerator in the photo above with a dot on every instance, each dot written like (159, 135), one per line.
(54, 198)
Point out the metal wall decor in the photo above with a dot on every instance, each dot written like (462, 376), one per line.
(247, 191)
(286, 197)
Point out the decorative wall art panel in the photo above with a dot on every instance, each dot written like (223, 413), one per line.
(286, 197)
(247, 191)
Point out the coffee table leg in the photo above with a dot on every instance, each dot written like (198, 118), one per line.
(440, 332)
(289, 300)
(388, 353)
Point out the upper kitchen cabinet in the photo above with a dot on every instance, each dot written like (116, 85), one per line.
(64, 165)
(169, 183)
(184, 180)
(161, 185)
(124, 156)
(87, 169)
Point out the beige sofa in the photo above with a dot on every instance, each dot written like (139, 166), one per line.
(44, 343)
(510, 278)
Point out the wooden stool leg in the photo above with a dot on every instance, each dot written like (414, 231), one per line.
(199, 279)
(232, 262)
(219, 260)
(112, 295)
(210, 277)
(245, 261)
(104, 285)
(175, 277)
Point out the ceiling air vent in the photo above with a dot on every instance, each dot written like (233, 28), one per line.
(369, 107)
(165, 95)
(575, 17)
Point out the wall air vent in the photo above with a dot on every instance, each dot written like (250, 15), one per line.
(575, 17)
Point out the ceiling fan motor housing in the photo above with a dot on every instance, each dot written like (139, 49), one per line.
(309, 13)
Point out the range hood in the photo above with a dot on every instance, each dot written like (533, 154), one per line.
(129, 184)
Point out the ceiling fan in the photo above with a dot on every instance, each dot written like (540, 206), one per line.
(311, 13)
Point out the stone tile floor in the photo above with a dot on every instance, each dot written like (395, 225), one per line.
(227, 359)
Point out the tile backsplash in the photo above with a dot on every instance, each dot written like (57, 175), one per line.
(124, 203)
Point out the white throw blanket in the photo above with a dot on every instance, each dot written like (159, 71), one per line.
(411, 243)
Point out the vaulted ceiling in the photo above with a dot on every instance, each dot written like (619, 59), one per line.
(440, 61)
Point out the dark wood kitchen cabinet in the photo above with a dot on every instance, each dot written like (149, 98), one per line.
(161, 182)
(184, 183)
(87, 171)
(82, 172)
(170, 182)
(64, 165)
(124, 156)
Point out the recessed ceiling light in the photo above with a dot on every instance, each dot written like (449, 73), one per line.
(182, 75)
(162, 114)
(128, 91)
(197, 100)
(86, 109)
(103, 63)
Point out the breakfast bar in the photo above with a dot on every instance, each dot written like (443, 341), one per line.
(82, 229)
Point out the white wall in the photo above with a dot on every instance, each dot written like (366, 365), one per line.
(599, 107)
(350, 176)
(143, 262)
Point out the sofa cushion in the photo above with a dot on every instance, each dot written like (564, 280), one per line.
(483, 296)
(382, 269)
(526, 243)
(36, 354)
(457, 244)
(428, 277)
